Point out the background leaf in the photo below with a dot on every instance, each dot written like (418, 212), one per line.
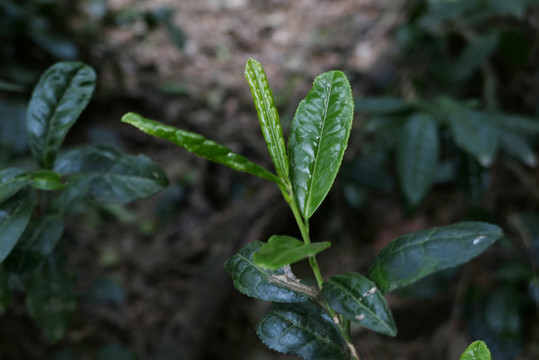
(417, 156)
(382, 105)
(14, 216)
(57, 101)
(199, 145)
(110, 176)
(268, 116)
(281, 250)
(475, 54)
(264, 284)
(11, 181)
(477, 350)
(302, 329)
(360, 301)
(518, 147)
(5, 295)
(415, 255)
(319, 136)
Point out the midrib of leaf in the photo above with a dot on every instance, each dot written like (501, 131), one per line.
(359, 302)
(71, 76)
(318, 146)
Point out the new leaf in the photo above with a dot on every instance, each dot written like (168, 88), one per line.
(319, 136)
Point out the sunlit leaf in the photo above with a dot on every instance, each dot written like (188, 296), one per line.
(11, 181)
(360, 301)
(420, 253)
(47, 180)
(14, 216)
(268, 116)
(477, 350)
(110, 176)
(199, 145)
(271, 285)
(318, 139)
(57, 101)
(417, 156)
(304, 330)
(282, 250)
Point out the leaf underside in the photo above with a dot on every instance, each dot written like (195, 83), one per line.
(282, 250)
(360, 301)
(420, 253)
(57, 101)
(318, 139)
(302, 329)
(270, 285)
(14, 216)
(199, 145)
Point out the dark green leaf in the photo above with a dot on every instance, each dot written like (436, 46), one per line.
(518, 147)
(475, 54)
(477, 350)
(36, 244)
(11, 181)
(50, 299)
(282, 250)
(115, 352)
(199, 145)
(57, 101)
(420, 253)
(13, 125)
(472, 178)
(360, 301)
(14, 216)
(417, 156)
(111, 176)
(47, 180)
(270, 285)
(520, 125)
(319, 136)
(474, 135)
(304, 330)
(268, 116)
(382, 105)
(5, 295)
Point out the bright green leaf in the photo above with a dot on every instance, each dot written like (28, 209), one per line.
(110, 176)
(415, 255)
(14, 216)
(57, 101)
(268, 116)
(477, 350)
(11, 181)
(304, 330)
(270, 285)
(360, 301)
(50, 298)
(47, 180)
(417, 156)
(282, 250)
(319, 136)
(199, 145)
(475, 135)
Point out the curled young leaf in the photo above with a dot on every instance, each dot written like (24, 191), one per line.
(47, 180)
(282, 250)
(318, 139)
(270, 285)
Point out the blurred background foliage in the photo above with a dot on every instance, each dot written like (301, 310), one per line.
(447, 106)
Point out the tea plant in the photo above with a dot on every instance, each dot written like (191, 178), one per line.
(34, 203)
(313, 321)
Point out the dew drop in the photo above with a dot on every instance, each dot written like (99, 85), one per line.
(478, 240)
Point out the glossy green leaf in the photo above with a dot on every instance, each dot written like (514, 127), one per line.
(11, 181)
(47, 180)
(14, 216)
(57, 101)
(50, 298)
(477, 350)
(417, 156)
(382, 105)
(268, 116)
(318, 139)
(199, 145)
(270, 285)
(36, 244)
(474, 135)
(475, 54)
(415, 255)
(518, 147)
(304, 330)
(110, 176)
(5, 294)
(282, 250)
(359, 300)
